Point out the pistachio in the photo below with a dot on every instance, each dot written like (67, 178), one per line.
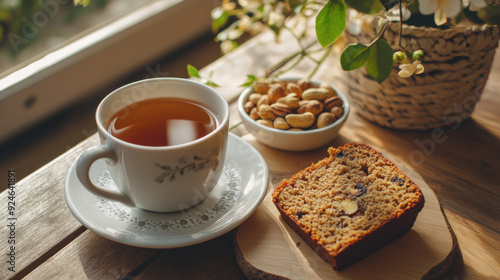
(337, 112)
(253, 114)
(265, 112)
(254, 97)
(275, 91)
(313, 106)
(333, 101)
(248, 106)
(264, 100)
(280, 109)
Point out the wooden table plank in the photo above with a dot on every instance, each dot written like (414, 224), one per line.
(90, 256)
(44, 223)
(213, 259)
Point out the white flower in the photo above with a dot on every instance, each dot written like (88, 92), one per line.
(475, 5)
(256, 27)
(244, 22)
(442, 9)
(407, 70)
(359, 23)
(393, 14)
(276, 19)
(250, 4)
(226, 46)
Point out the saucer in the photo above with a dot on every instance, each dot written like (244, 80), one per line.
(239, 191)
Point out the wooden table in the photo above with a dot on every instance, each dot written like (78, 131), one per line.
(463, 171)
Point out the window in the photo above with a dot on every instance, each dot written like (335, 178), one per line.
(109, 45)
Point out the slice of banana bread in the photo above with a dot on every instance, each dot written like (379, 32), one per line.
(349, 205)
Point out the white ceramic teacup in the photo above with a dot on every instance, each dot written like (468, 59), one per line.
(161, 179)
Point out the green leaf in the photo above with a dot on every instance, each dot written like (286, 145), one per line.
(366, 6)
(379, 64)
(212, 84)
(330, 22)
(490, 14)
(250, 80)
(219, 18)
(192, 71)
(354, 56)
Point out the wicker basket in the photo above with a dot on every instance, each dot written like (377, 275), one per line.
(457, 64)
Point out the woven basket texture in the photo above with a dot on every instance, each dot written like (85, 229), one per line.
(457, 64)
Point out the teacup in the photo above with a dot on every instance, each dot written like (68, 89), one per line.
(162, 178)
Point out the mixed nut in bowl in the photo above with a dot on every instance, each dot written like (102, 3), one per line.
(293, 114)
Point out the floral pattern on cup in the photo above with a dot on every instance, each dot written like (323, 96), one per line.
(195, 164)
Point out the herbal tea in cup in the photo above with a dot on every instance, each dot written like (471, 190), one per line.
(164, 141)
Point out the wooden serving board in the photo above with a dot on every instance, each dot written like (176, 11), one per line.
(266, 247)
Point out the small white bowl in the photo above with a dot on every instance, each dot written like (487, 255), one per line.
(293, 140)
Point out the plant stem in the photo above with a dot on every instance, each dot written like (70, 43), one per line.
(302, 52)
(400, 23)
(318, 63)
(235, 126)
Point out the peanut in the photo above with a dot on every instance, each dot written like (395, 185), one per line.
(293, 102)
(304, 120)
(319, 94)
(329, 88)
(325, 119)
(261, 88)
(294, 106)
(280, 123)
(265, 112)
(294, 88)
(304, 84)
(265, 122)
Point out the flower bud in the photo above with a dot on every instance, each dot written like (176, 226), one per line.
(417, 55)
(398, 56)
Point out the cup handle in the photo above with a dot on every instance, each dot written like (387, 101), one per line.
(83, 164)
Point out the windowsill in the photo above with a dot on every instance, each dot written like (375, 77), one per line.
(66, 75)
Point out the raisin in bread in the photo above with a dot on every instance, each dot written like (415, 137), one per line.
(349, 205)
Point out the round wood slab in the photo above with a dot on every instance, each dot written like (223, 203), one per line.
(267, 248)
